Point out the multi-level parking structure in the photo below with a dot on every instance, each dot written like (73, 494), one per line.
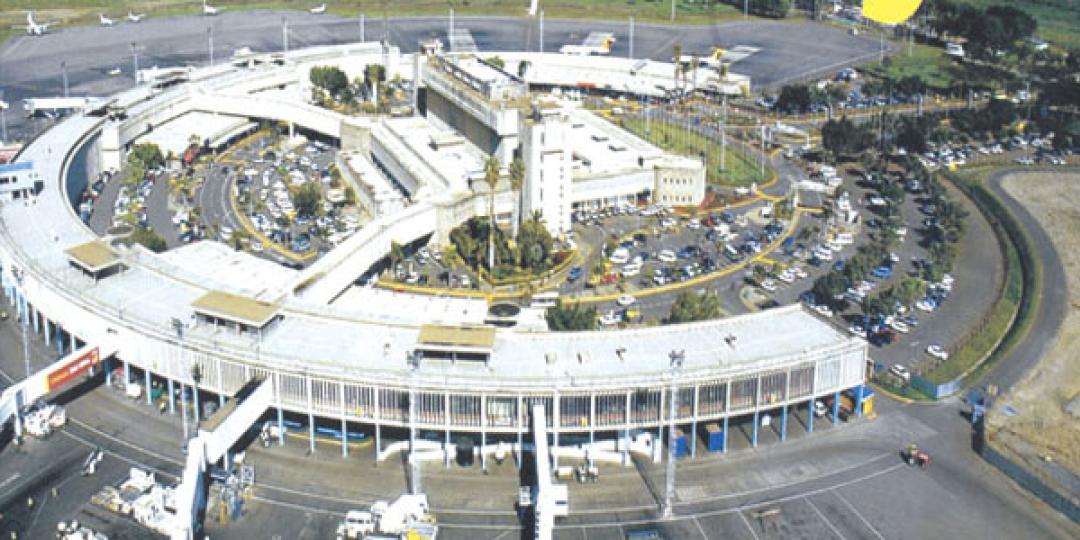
(237, 318)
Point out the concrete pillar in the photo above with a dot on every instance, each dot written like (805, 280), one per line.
(555, 429)
(858, 400)
(783, 423)
(59, 339)
(311, 418)
(483, 432)
(172, 397)
(281, 426)
(74, 342)
(753, 436)
(836, 408)
(127, 373)
(378, 442)
(106, 364)
(34, 319)
(724, 435)
(48, 332)
(149, 400)
(344, 424)
(810, 417)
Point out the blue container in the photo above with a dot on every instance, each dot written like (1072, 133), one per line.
(681, 444)
(715, 437)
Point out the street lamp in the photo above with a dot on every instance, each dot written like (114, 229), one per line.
(677, 358)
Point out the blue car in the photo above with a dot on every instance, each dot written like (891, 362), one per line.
(575, 273)
(882, 272)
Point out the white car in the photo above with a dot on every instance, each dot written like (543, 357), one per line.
(937, 351)
(823, 310)
(899, 326)
(693, 224)
(820, 409)
(620, 256)
(667, 256)
(900, 371)
(631, 270)
(769, 285)
(923, 305)
(610, 319)
(626, 300)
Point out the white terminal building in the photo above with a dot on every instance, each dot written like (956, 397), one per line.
(381, 362)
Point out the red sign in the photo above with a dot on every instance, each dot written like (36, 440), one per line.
(73, 369)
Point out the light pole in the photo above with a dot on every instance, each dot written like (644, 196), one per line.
(3, 118)
(450, 27)
(25, 321)
(414, 465)
(677, 358)
(210, 46)
(362, 27)
(135, 62)
(631, 54)
(63, 76)
(284, 35)
(178, 327)
(541, 30)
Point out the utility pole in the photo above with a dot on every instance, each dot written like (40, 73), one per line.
(677, 358)
(210, 49)
(450, 28)
(284, 35)
(723, 132)
(763, 128)
(541, 30)
(672, 10)
(746, 9)
(362, 28)
(631, 54)
(63, 75)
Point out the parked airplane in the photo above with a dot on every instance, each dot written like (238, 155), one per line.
(319, 9)
(209, 10)
(35, 28)
(132, 17)
(105, 21)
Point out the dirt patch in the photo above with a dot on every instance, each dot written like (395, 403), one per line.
(1041, 397)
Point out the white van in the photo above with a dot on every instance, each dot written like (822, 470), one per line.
(620, 256)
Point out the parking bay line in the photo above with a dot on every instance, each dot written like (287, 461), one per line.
(858, 514)
(748, 525)
(823, 518)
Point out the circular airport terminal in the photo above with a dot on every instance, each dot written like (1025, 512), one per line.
(551, 261)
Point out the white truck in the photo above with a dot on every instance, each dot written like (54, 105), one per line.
(43, 419)
(407, 517)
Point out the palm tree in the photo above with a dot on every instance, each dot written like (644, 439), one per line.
(517, 180)
(491, 176)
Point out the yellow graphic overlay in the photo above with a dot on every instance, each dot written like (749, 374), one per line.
(890, 11)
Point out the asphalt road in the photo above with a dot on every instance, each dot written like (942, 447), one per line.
(1043, 333)
(31, 66)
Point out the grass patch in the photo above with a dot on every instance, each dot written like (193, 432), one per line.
(940, 71)
(1058, 19)
(739, 168)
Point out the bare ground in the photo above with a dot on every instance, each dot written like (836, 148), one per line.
(1039, 399)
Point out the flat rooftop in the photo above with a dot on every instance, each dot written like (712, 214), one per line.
(454, 163)
(235, 308)
(93, 256)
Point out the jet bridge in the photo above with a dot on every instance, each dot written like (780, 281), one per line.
(550, 500)
(216, 436)
(73, 367)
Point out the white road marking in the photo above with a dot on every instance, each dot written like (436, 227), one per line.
(748, 526)
(823, 518)
(859, 514)
(701, 529)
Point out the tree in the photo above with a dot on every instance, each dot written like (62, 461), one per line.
(374, 75)
(690, 306)
(496, 61)
(147, 155)
(828, 288)
(570, 317)
(517, 181)
(307, 200)
(794, 98)
(842, 137)
(491, 176)
(534, 245)
(329, 78)
(759, 273)
(149, 239)
(397, 253)
(909, 290)
(523, 68)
